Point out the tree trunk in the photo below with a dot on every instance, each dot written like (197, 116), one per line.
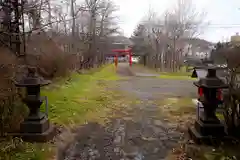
(49, 14)
(73, 26)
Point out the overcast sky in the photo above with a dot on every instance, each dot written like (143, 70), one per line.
(223, 15)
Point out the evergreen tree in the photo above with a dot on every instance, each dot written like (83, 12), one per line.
(139, 40)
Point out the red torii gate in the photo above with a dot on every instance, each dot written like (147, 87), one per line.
(123, 52)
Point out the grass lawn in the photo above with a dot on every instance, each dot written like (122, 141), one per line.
(72, 102)
(176, 75)
(180, 75)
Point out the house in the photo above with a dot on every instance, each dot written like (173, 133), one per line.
(235, 39)
(118, 42)
(198, 48)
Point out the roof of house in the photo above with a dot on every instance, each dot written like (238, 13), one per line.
(121, 40)
(198, 42)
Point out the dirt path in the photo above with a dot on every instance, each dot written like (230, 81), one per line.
(141, 133)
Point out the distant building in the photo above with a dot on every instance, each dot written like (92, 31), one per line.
(198, 48)
(235, 38)
(118, 42)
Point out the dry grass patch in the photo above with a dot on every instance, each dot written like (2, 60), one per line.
(182, 113)
(179, 111)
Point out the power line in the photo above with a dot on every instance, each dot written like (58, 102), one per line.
(221, 26)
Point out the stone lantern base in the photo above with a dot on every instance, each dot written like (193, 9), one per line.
(207, 131)
(36, 129)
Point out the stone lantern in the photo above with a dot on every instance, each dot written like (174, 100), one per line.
(36, 126)
(194, 74)
(208, 126)
(199, 72)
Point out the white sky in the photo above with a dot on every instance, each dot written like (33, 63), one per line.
(223, 15)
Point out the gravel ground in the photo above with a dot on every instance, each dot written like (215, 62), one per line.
(141, 133)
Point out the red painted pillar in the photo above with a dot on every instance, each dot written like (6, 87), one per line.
(130, 58)
(116, 60)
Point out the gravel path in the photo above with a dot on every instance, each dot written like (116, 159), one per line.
(140, 134)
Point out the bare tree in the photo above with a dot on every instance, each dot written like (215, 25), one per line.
(61, 17)
(73, 22)
(106, 21)
(49, 14)
(185, 19)
(167, 31)
(98, 22)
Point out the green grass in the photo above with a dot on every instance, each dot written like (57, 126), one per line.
(180, 75)
(78, 96)
(175, 76)
(220, 116)
(72, 101)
